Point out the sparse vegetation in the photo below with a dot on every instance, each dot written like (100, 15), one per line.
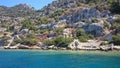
(116, 40)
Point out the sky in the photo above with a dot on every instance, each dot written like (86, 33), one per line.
(37, 4)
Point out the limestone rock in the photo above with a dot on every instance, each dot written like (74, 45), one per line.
(23, 47)
(73, 45)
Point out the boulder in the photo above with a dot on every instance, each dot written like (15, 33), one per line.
(51, 47)
(23, 47)
(16, 37)
(15, 47)
(105, 13)
(24, 31)
(104, 48)
(116, 47)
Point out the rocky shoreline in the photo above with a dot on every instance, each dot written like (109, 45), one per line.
(91, 45)
(23, 47)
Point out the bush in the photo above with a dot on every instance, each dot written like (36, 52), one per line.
(83, 38)
(49, 42)
(94, 20)
(62, 42)
(91, 36)
(115, 6)
(59, 30)
(42, 20)
(30, 39)
(28, 24)
(116, 39)
(116, 25)
(18, 41)
(56, 13)
(59, 42)
(117, 20)
(80, 32)
(105, 24)
(104, 43)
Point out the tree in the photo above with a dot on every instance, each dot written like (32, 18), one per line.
(115, 6)
(116, 39)
(116, 25)
(28, 24)
(82, 36)
(59, 30)
(62, 42)
(80, 32)
(106, 24)
(49, 42)
(42, 20)
(29, 39)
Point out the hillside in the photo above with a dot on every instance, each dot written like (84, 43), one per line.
(61, 20)
(20, 10)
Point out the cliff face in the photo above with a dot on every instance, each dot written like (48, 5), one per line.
(76, 10)
(85, 13)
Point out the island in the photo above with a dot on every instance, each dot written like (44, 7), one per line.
(62, 25)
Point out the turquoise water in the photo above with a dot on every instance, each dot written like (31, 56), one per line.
(58, 59)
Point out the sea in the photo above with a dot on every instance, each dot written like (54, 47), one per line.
(58, 59)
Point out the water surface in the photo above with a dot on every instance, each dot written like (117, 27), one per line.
(58, 59)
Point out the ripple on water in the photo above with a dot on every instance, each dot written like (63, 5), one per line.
(58, 59)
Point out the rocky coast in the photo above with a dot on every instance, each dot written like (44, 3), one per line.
(92, 45)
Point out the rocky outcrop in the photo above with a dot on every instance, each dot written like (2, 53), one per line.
(73, 45)
(116, 47)
(23, 47)
(53, 47)
(95, 29)
(107, 47)
(90, 45)
(85, 13)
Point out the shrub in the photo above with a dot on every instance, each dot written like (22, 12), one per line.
(117, 20)
(49, 42)
(83, 38)
(18, 41)
(80, 32)
(105, 24)
(30, 39)
(59, 30)
(104, 43)
(94, 20)
(62, 42)
(116, 39)
(115, 6)
(91, 36)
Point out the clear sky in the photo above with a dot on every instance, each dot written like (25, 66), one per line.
(37, 4)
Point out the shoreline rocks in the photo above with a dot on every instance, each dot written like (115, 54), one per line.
(75, 45)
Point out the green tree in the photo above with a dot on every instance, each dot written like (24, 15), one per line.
(49, 42)
(62, 42)
(42, 20)
(59, 30)
(80, 32)
(29, 24)
(116, 39)
(116, 25)
(115, 6)
(29, 39)
(105, 24)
